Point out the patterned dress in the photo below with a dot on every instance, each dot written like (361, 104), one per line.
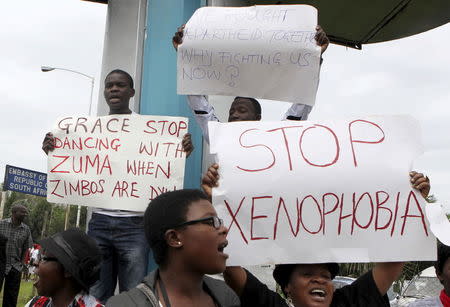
(80, 300)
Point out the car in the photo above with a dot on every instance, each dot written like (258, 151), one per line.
(424, 284)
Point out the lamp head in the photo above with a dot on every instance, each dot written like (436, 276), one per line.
(46, 68)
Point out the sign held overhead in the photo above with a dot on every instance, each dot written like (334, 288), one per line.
(260, 51)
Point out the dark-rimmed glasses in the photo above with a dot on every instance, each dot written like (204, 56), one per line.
(213, 221)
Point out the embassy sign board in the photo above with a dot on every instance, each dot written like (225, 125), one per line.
(25, 181)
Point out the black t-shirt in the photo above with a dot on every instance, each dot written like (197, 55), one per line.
(361, 293)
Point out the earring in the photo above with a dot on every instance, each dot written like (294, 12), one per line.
(289, 300)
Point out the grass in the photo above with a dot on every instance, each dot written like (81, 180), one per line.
(25, 293)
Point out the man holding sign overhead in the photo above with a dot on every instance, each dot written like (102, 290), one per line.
(235, 51)
(114, 163)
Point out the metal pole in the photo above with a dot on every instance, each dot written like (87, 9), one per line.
(45, 69)
(44, 225)
(92, 91)
(2, 204)
(66, 221)
(78, 215)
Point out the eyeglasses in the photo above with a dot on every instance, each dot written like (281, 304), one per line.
(213, 221)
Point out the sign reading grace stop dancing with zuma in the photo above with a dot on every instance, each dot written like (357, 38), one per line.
(329, 191)
(117, 161)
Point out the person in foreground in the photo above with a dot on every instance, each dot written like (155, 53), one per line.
(442, 267)
(310, 285)
(68, 265)
(188, 240)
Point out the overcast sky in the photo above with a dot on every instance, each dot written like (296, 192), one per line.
(407, 76)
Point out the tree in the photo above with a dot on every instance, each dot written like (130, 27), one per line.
(44, 218)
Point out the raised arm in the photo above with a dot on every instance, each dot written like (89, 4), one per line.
(187, 145)
(321, 39)
(199, 104)
(386, 273)
(420, 183)
(236, 276)
(48, 144)
(210, 180)
(299, 111)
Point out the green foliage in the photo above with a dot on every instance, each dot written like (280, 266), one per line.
(26, 293)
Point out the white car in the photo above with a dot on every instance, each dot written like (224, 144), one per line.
(424, 284)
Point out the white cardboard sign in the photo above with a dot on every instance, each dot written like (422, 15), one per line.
(116, 161)
(329, 191)
(260, 51)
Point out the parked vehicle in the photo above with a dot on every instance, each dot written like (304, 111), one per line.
(424, 284)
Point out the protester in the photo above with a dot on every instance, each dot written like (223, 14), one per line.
(308, 285)
(188, 241)
(26, 264)
(442, 267)
(3, 241)
(19, 240)
(119, 233)
(68, 265)
(34, 256)
(243, 108)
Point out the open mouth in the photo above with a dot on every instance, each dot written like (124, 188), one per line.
(222, 247)
(114, 98)
(318, 293)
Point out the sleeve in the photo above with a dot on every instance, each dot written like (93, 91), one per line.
(203, 112)
(256, 293)
(27, 244)
(298, 111)
(363, 292)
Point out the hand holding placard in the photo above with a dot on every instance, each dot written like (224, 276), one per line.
(261, 51)
(339, 188)
(116, 161)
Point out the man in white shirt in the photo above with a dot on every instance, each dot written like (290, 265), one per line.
(243, 108)
(119, 233)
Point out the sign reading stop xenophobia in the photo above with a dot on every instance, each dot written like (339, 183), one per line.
(328, 191)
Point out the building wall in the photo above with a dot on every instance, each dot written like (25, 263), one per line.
(159, 74)
(123, 46)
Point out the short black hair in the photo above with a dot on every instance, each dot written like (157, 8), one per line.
(164, 212)
(255, 103)
(443, 253)
(17, 206)
(124, 73)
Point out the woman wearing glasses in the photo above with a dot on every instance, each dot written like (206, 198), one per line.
(67, 266)
(188, 240)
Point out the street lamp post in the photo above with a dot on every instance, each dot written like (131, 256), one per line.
(50, 68)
